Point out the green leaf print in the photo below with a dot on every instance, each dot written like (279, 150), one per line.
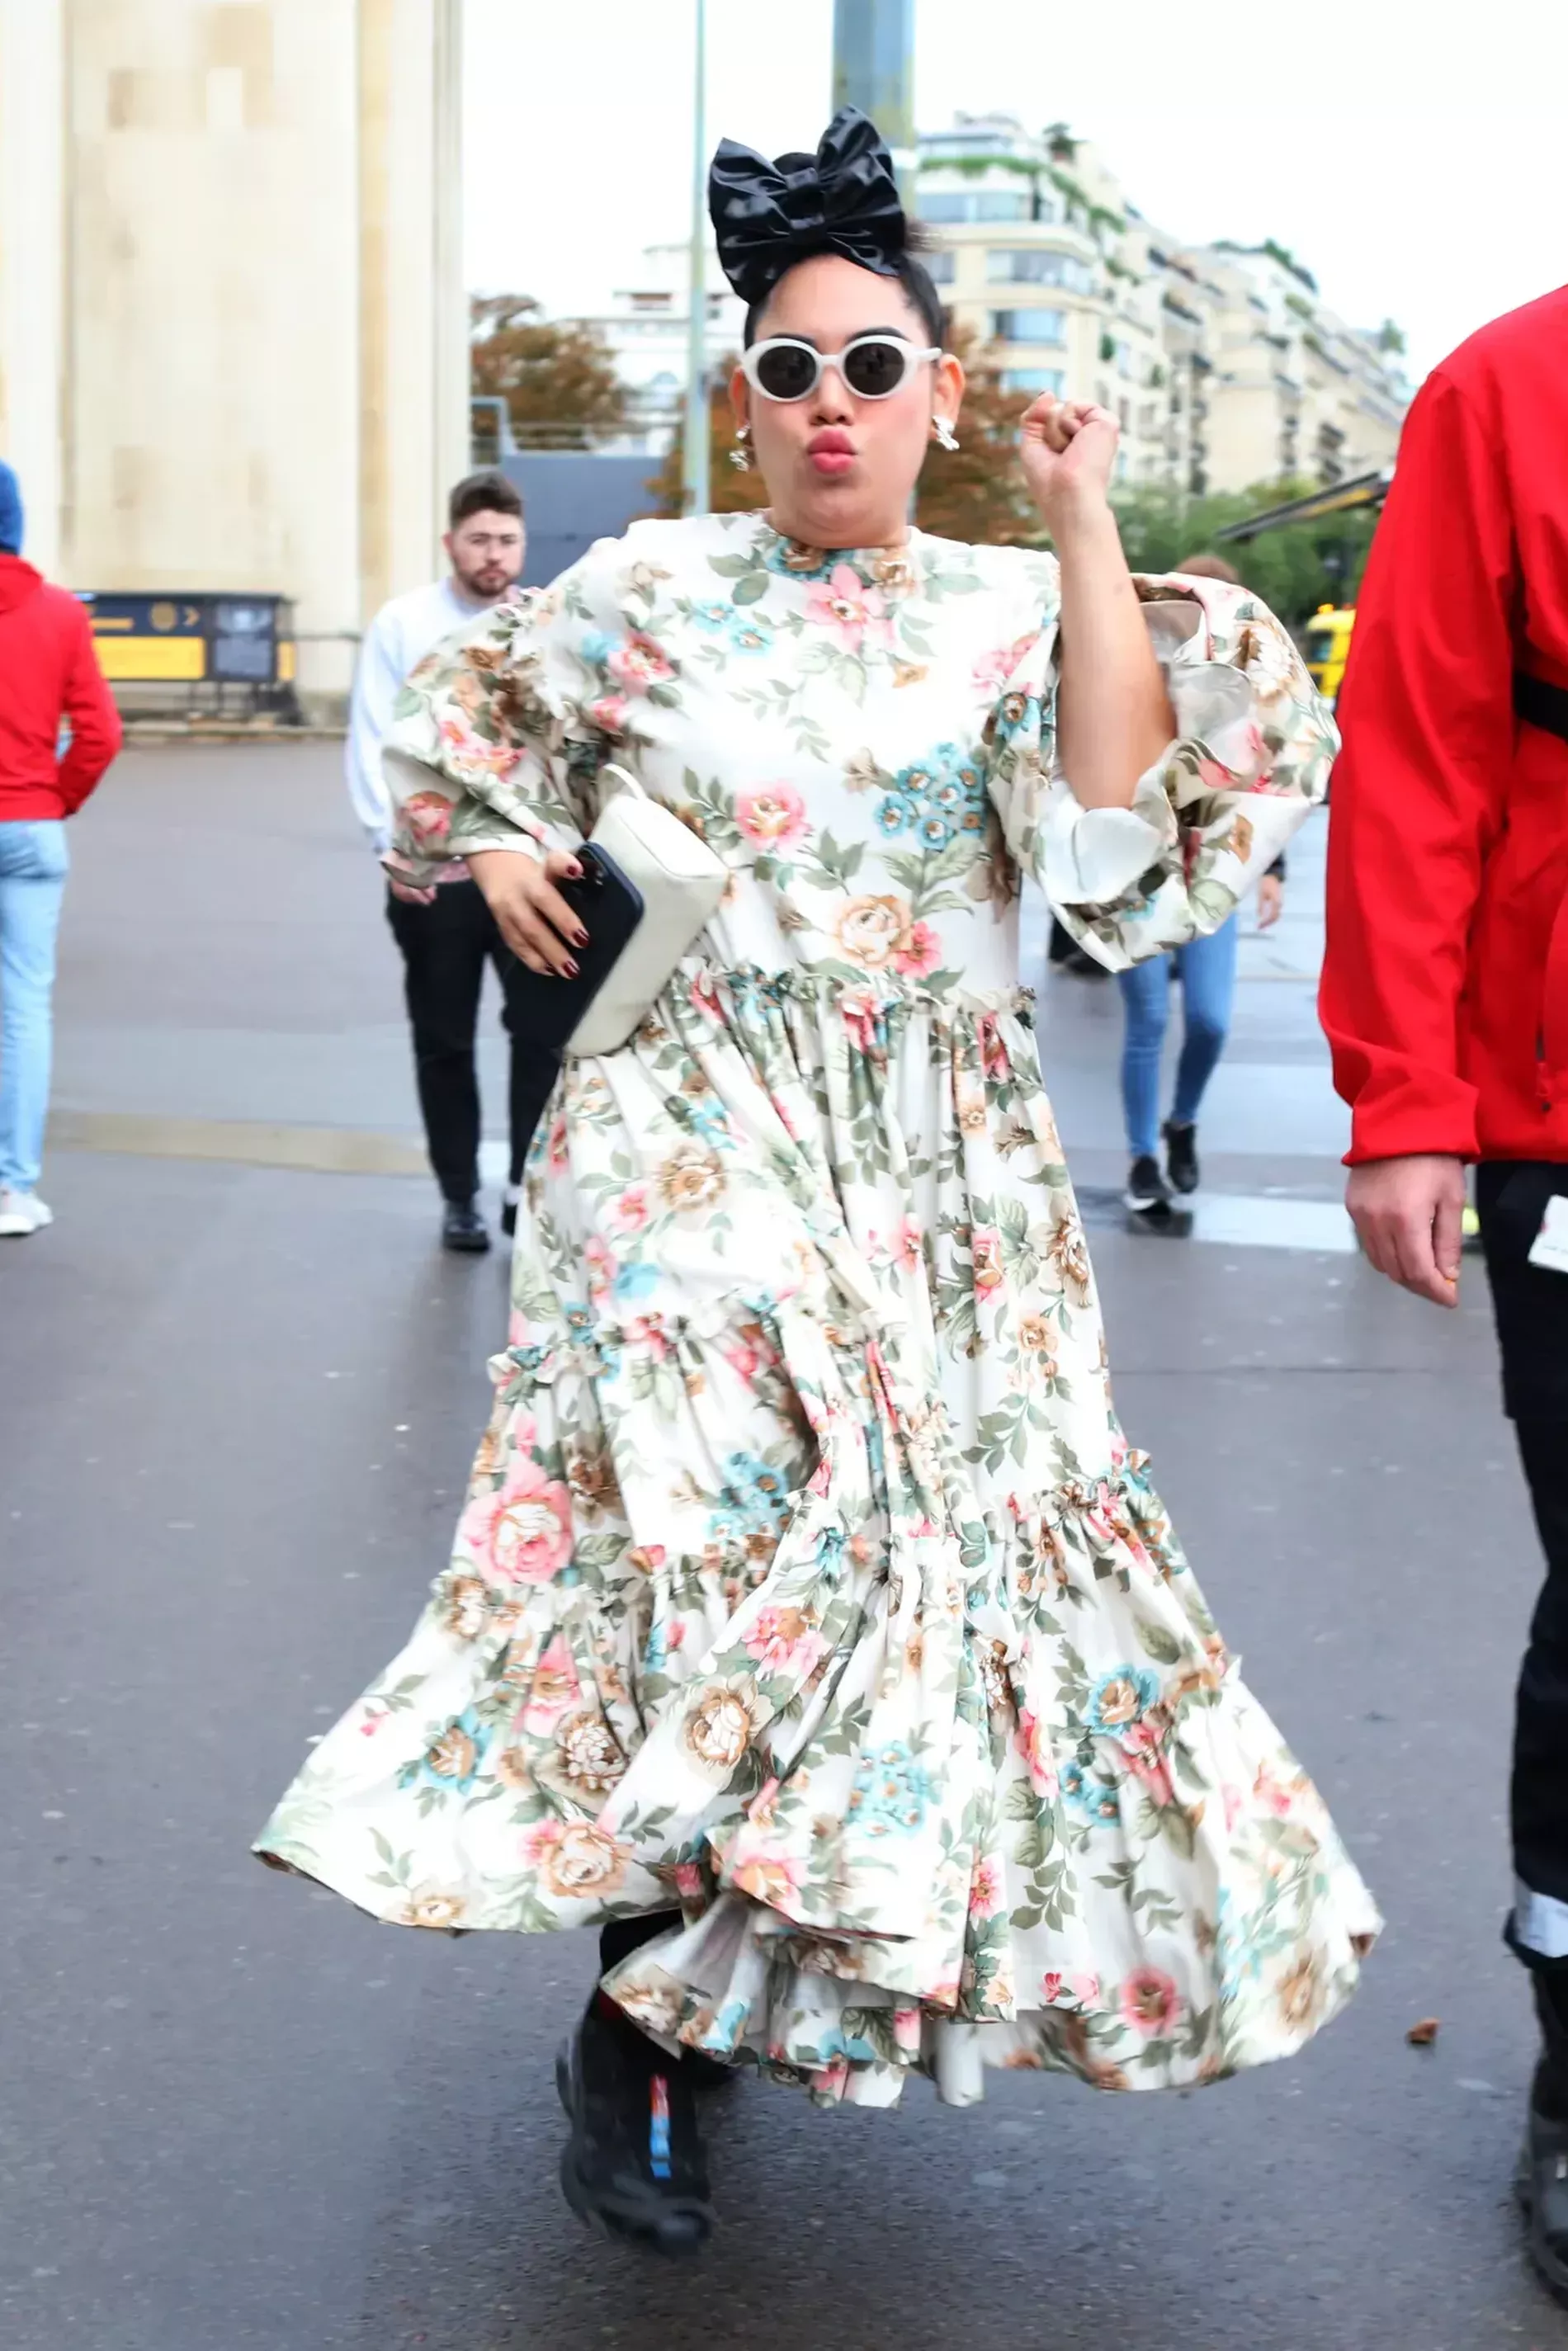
(752, 589)
(1158, 1643)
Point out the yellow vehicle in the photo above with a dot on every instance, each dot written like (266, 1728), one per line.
(1328, 647)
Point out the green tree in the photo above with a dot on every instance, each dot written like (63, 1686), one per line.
(1294, 568)
(559, 381)
(976, 492)
(731, 489)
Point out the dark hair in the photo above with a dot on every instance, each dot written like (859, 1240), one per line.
(911, 274)
(488, 492)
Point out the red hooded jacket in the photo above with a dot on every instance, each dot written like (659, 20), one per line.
(1445, 989)
(48, 670)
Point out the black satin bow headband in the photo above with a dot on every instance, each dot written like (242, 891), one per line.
(844, 199)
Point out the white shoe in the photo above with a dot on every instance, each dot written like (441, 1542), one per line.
(22, 1213)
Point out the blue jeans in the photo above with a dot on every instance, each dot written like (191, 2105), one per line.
(1207, 969)
(33, 866)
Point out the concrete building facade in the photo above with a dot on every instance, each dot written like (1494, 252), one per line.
(233, 345)
(1223, 366)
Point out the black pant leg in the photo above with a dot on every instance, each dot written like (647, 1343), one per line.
(443, 949)
(1531, 1308)
(533, 1068)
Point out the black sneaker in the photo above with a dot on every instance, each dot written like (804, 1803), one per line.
(1147, 1193)
(634, 2165)
(1543, 2188)
(463, 1229)
(1181, 1155)
(509, 1209)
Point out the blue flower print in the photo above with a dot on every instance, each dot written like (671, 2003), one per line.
(714, 618)
(890, 1792)
(595, 647)
(1122, 1698)
(935, 832)
(1091, 1800)
(632, 1282)
(748, 635)
(895, 813)
(452, 1761)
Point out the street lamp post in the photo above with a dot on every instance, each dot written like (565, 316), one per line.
(695, 438)
(873, 69)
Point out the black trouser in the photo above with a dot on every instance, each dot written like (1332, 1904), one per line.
(1531, 1308)
(446, 947)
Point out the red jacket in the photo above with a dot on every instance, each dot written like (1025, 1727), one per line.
(1445, 989)
(48, 670)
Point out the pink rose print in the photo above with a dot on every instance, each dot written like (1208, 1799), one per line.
(1035, 1748)
(772, 817)
(1085, 1990)
(783, 1641)
(555, 1689)
(639, 664)
(918, 951)
(688, 1881)
(849, 610)
(609, 714)
(428, 816)
(470, 749)
(522, 1532)
(985, 1891)
(629, 1214)
(985, 1247)
(911, 1250)
(557, 1146)
(600, 1261)
(1149, 2001)
(993, 669)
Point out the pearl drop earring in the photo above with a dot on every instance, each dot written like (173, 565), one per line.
(741, 458)
(945, 433)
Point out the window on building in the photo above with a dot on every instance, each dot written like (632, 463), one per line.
(1035, 381)
(950, 204)
(1015, 265)
(1029, 325)
(940, 265)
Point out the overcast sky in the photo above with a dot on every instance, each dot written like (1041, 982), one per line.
(1409, 151)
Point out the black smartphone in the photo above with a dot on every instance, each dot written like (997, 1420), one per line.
(610, 907)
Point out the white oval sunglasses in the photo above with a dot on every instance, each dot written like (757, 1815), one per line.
(873, 366)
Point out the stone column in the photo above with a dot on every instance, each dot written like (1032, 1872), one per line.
(32, 262)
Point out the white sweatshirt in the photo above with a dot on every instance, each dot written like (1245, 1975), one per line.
(398, 637)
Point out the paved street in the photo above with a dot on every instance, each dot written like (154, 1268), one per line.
(242, 1385)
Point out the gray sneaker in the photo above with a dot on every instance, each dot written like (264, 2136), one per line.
(22, 1213)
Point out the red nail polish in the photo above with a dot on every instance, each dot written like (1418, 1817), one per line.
(570, 968)
(579, 939)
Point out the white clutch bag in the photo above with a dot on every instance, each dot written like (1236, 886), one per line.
(681, 882)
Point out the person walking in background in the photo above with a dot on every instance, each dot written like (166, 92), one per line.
(1206, 969)
(48, 673)
(1445, 996)
(447, 934)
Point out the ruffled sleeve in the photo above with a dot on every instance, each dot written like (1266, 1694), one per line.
(1251, 756)
(498, 733)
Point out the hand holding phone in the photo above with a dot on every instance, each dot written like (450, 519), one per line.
(535, 922)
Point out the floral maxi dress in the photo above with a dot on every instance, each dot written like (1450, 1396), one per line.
(806, 1588)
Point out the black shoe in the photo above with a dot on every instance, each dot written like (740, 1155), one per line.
(634, 2165)
(1181, 1155)
(509, 1213)
(1147, 1193)
(1542, 2187)
(463, 1229)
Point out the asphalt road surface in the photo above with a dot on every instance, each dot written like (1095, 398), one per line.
(240, 1391)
